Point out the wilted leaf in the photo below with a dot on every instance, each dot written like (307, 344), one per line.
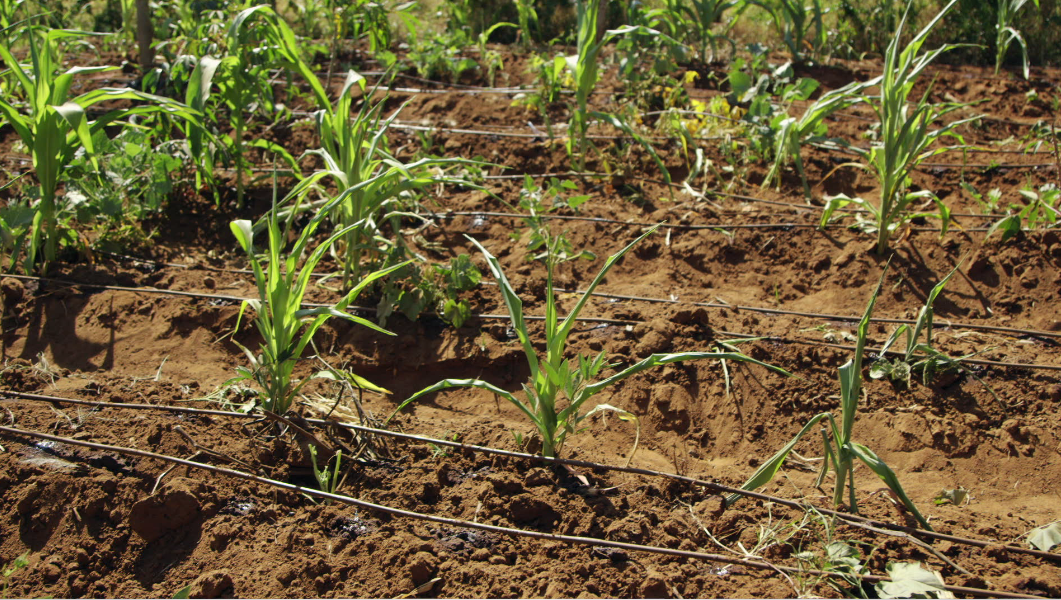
(1046, 537)
(844, 557)
(957, 497)
(911, 580)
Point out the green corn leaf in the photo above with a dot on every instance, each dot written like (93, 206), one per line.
(924, 317)
(569, 321)
(446, 384)
(768, 469)
(889, 478)
(1009, 226)
(244, 233)
(512, 302)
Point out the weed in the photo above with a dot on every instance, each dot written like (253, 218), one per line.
(417, 288)
(441, 56)
(988, 202)
(20, 562)
(1041, 207)
(137, 177)
(918, 355)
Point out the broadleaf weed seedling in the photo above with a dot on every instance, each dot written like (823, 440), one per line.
(841, 451)
(554, 376)
(1041, 207)
(919, 355)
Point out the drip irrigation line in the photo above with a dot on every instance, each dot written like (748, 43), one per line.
(398, 512)
(797, 207)
(446, 87)
(821, 316)
(541, 135)
(746, 198)
(921, 166)
(971, 361)
(677, 226)
(425, 91)
(681, 227)
(229, 298)
(924, 166)
(852, 519)
(500, 317)
(735, 307)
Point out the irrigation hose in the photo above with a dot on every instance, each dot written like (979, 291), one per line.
(500, 317)
(567, 539)
(681, 227)
(855, 520)
(721, 305)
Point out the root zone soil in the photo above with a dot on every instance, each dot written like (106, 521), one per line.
(101, 524)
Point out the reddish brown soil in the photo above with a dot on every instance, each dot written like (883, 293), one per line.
(99, 524)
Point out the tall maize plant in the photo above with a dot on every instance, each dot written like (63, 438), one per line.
(54, 126)
(257, 39)
(584, 67)
(906, 136)
(369, 180)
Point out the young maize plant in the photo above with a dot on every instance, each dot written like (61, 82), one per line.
(242, 80)
(584, 66)
(841, 451)
(369, 179)
(55, 126)
(906, 139)
(1005, 33)
(287, 328)
(554, 377)
(698, 18)
(528, 21)
(792, 133)
(800, 26)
